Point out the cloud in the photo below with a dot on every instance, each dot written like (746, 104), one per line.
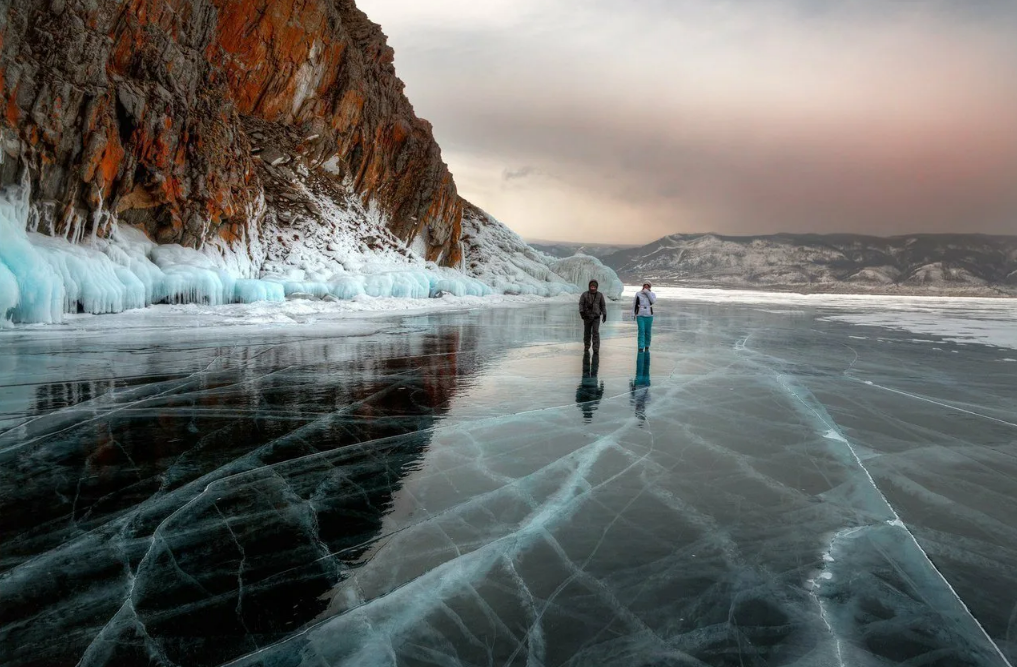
(742, 117)
(521, 172)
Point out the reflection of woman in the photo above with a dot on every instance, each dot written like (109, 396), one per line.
(589, 393)
(639, 386)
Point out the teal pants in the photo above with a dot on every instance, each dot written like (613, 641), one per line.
(645, 325)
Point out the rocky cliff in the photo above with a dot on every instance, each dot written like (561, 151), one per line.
(211, 121)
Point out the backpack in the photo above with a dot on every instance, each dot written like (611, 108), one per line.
(635, 308)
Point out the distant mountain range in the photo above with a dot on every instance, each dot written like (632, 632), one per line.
(929, 264)
(565, 249)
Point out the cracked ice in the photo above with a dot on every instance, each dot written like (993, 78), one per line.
(762, 488)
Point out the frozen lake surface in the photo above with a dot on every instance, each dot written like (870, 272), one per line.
(784, 481)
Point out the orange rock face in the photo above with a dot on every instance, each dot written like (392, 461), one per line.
(144, 108)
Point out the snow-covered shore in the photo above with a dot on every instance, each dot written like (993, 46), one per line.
(342, 317)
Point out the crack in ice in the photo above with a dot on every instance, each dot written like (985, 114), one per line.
(896, 520)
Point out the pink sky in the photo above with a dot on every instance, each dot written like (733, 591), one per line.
(604, 121)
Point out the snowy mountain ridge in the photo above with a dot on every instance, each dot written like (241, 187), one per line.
(562, 249)
(961, 264)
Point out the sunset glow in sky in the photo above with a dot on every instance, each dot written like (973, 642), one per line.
(625, 120)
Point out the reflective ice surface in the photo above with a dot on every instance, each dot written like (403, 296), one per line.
(763, 488)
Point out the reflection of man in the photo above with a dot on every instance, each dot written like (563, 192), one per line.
(639, 386)
(589, 393)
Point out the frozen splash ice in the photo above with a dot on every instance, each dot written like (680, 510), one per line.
(581, 269)
(43, 277)
(29, 290)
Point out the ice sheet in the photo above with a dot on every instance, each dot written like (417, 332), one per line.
(762, 488)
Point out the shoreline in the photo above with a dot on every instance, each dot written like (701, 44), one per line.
(363, 314)
(986, 292)
(759, 295)
(293, 313)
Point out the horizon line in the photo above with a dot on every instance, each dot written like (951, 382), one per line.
(770, 235)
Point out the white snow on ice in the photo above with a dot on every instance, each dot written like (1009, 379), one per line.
(954, 319)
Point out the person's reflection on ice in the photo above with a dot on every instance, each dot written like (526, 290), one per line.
(639, 386)
(589, 392)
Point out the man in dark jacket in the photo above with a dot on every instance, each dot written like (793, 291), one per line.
(593, 310)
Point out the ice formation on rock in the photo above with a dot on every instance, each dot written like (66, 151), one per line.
(42, 277)
(581, 269)
(29, 290)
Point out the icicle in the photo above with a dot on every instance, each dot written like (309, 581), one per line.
(96, 216)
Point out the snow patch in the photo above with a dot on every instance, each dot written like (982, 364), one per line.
(959, 320)
(834, 435)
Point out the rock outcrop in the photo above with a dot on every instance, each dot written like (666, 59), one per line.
(190, 119)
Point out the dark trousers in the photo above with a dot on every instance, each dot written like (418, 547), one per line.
(591, 332)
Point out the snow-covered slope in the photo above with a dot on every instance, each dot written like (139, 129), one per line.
(919, 264)
(498, 256)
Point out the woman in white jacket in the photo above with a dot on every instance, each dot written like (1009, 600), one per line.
(643, 309)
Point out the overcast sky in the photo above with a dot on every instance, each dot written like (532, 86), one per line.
(625, 120)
